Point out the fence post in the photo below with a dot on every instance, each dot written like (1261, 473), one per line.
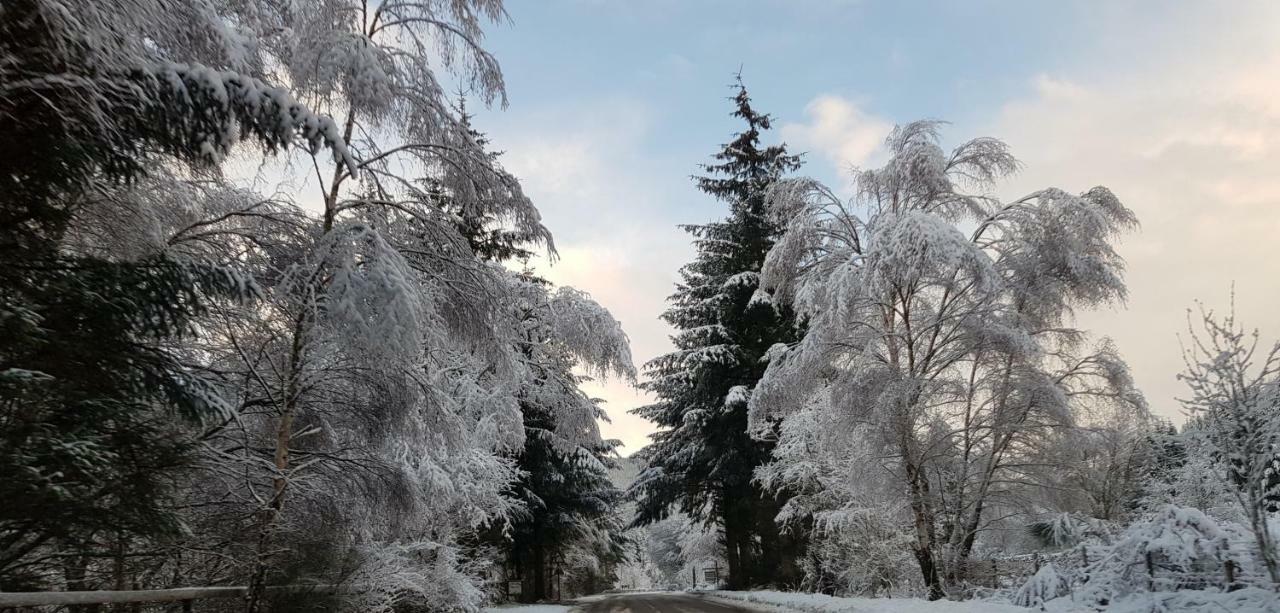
(1084, 555)
(1151, 572)
(1230, 567)
(1035, 561)
(188, 606)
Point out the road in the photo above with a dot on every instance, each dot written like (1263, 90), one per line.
(657, 602)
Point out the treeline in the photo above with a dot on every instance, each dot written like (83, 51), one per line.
(885, 394)
(344, 383)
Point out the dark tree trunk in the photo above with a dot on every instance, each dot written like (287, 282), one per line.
(925, 533)
(748, 559)
(738, 519)
(780, 551)
(533, 574)
(732, 535)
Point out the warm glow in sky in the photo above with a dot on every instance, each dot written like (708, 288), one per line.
(1175, 108)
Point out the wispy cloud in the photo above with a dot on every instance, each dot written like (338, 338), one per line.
(609, 204)
(1192, 144)
(839, 130)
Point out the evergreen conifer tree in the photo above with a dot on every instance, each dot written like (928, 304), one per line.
(90, 375)
(702, 460)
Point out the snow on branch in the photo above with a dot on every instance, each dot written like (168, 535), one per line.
(591, 333)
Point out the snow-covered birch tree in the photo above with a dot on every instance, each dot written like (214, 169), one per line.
(370, 314)
(939, 325)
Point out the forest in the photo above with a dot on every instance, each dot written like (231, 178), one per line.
(354, 387)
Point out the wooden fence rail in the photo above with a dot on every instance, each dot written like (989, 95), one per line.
(185, 595)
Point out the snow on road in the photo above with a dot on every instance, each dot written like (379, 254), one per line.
(821, 603)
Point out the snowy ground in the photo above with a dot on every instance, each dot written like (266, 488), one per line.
(528, 608)
(1250, 600)
(819, 603)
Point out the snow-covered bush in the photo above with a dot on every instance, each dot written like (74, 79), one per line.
(1247, 600)
(863, 552)
(394, 575)
(1176, 548)
(1234, 380)
(1048, 583)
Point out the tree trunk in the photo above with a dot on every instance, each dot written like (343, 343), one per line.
(780, 551)
(748, 559)
(1261, 532)
(280, 482)
(534, 575)
(966, 536)
(75, 569)
(926, 536)
(732, 528)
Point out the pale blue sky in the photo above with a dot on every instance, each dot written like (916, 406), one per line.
(1174, 105)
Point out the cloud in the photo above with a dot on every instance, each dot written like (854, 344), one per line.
(606, 201)
(839, 130)
(1192, 145)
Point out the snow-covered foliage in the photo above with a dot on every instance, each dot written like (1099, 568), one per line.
(946, 351)
(590, 333)
(1174, 557)
(702, 460)
(860, 542)
(396, 575)
(1247, 600)
(1235, 406)
(1042, 587)
(357, 381)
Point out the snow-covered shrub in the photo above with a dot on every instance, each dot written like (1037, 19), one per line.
(1234, 380)
(1048, 583)
(420, 573)
(862, 551)
(1176, 548)
(1248, 600)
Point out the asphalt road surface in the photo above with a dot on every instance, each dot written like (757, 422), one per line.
(657, 602)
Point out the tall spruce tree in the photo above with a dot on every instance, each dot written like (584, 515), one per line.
(702, 460)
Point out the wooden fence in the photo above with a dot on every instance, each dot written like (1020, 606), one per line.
(185, 597)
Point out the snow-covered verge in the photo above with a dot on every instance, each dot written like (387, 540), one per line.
(1248, 600)
(821, 603)
(528, 608)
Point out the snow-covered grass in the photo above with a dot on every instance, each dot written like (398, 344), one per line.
(821, 603)
(528, 608)
(1248, 600)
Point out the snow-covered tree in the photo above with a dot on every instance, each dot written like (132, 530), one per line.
(568, 522)
(701, 461)
(938, 326)
(95, 98)
(379, 354)
(1234, 383)
(357, 375)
